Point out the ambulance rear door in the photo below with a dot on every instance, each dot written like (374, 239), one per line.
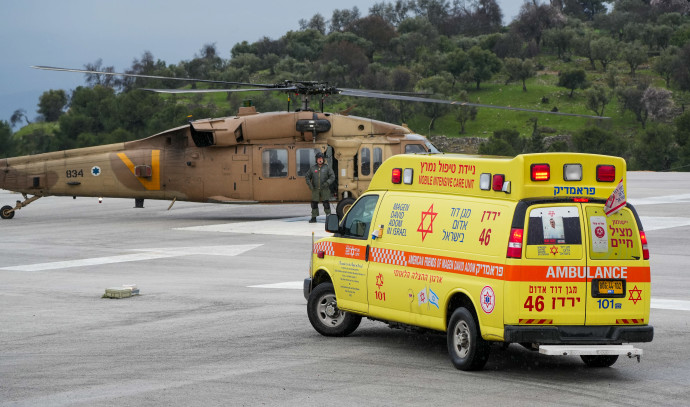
(619, 282)
(553, 278)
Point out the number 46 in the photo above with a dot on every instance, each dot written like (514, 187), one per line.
(485, 237)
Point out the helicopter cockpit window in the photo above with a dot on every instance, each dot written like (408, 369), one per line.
(378, 158)
(432, 148)
(274, 162)
(414, 149)
(305, 159)
(365, 158)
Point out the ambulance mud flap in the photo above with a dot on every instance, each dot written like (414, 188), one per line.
(598, 350)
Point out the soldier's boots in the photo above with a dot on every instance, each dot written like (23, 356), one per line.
(312, 220)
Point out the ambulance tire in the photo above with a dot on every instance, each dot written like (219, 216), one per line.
(599, 360)
(344, 206)
(326, 317)
(6, 212)
(467, 349)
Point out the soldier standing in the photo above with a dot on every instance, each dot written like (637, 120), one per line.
(319, 179)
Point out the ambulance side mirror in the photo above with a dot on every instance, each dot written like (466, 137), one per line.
(332, 223)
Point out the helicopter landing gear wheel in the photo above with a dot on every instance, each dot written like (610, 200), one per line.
(344, 206)
(7, 212)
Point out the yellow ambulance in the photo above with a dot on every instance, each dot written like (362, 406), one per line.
(540, 250)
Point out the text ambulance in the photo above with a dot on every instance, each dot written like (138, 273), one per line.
(539, 249)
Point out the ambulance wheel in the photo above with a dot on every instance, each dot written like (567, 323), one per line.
(599, 360)
(326, 317)
(344, 206)
(6, 212)
(467, 349)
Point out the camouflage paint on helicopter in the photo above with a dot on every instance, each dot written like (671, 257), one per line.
(251, 157)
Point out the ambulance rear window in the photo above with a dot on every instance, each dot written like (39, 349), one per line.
(554, 225)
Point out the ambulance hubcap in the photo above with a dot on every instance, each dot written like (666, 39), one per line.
(328, 310)
(462, 339)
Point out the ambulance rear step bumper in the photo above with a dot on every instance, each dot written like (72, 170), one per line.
(577, 350)
(579, 334)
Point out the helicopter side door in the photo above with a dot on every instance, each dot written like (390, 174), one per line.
(279, 171)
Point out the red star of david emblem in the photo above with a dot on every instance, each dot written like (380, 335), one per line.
(637, 298)
(429, 213)
(379, 280)
(554, 250)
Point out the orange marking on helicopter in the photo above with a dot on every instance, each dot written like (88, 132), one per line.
(153, 184)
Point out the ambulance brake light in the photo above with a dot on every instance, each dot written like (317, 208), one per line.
(396, 176)
(645, 249)
(540, 172)
(515, 244)
(497, 184)
(606, 173)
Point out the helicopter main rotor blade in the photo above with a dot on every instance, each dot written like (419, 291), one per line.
(375, 95)
(182, 91)
(133, 75)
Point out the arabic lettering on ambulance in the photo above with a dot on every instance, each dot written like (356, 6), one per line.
(574, 191)
(446, 169)
(418, 276)
(396, 220)
(352, 251)
(459, 225)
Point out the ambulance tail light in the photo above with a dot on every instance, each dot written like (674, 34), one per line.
(645, 249)
(396, 175)
(606, 173)
(321, 254)
(497, 184)
(515, 244)
(540, 172)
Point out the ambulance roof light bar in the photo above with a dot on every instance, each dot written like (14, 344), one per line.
(540, 172)
(572, 172)
(396, 175)
(606, 173)
(408, 176)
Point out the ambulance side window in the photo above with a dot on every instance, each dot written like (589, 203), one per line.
(554, 225)
(358, 219)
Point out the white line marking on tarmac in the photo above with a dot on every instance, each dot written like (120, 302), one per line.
(676, 305)
(657, 200)
(673, 305)
(660, 222)
(148, 254)
(289, 285)
(287, 227)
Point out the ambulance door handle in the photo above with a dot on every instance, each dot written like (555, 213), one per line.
(366, 254)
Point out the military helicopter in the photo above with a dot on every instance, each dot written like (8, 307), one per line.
(251, 157)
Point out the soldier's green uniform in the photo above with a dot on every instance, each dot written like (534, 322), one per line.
(319, 179)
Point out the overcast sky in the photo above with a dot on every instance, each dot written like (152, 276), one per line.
(71, 33)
